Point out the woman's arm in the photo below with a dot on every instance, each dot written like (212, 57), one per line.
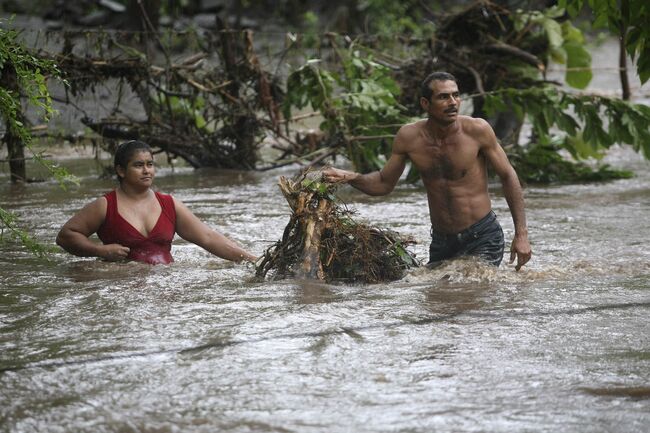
(192, 229)
(73, 236)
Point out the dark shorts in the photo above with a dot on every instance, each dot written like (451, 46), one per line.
(483, 239)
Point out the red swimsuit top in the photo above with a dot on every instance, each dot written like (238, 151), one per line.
(153, 249)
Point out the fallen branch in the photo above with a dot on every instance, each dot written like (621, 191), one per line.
(322, 241)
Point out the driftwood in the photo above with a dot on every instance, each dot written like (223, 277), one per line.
(210, 110)
(322, 241)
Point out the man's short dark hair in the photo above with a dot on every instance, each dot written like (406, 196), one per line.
(425, 89)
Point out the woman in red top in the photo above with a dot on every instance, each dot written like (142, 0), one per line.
(136, 223)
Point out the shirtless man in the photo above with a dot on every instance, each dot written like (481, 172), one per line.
(451, 153)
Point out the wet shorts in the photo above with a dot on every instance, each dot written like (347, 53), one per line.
(483, 239)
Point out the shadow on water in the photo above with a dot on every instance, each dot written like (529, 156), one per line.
(315, 292)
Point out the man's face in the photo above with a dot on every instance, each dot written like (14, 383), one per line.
(444, 103)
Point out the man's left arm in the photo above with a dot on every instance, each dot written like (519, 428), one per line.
(496, 156)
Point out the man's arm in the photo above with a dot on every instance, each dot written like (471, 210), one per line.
(495, 155)
(378, 182)
(192, 229)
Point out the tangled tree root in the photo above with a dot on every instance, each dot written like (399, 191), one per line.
(322, 241)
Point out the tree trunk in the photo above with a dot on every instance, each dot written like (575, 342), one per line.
(622, 54)
(622, 69)
(15, 146)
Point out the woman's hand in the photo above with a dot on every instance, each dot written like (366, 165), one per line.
(113, 252)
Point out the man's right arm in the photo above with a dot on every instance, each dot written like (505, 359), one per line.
(378, 182)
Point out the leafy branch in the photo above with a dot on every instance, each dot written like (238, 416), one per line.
(9, 223)
(580, 117)
(27, 76)
(358, 102)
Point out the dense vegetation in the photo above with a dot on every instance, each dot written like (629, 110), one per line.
(23, 76)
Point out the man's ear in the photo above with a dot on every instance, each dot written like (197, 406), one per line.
(424, 103)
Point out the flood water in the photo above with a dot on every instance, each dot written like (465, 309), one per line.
(198, 346)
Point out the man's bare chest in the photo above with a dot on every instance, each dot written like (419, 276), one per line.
(451, 162)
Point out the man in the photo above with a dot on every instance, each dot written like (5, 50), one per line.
(451, 153)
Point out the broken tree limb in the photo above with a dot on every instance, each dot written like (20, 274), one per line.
(323, 242)
(525, 56)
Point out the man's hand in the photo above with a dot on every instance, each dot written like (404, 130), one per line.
(520, 248)
(114, 252)
(336, 175)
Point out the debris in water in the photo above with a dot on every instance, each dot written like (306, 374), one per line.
(322, 241)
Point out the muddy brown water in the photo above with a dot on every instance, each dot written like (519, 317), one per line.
(197, 346)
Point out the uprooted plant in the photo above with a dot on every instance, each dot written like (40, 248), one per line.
(322, 240)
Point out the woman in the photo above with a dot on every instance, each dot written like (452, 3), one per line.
(136, 223)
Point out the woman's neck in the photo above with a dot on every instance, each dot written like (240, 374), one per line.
(134, 193)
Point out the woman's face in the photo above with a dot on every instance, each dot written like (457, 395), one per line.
(140, 170)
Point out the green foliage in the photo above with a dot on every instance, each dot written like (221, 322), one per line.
(408, 260)
(310, 30)
(626, 18)
(9, 225)
(320, 189)
(358, 104)
(566, 44)
(32, 73)
(549, 107)
(190, 109)
(388, 18)
(580, 117)
(543, 164)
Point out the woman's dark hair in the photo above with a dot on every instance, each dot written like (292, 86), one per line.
(425, 88)
(126, 150)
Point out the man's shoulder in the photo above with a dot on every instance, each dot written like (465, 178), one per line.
(411, 130)
(474, 125)
(479, 130)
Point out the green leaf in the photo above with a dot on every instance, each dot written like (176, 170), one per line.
(578, 73)
(553, 32)
(582, 149)
(558, 55)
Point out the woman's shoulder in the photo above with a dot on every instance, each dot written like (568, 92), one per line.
(166, 200)
(163, 196)
(96, 208)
